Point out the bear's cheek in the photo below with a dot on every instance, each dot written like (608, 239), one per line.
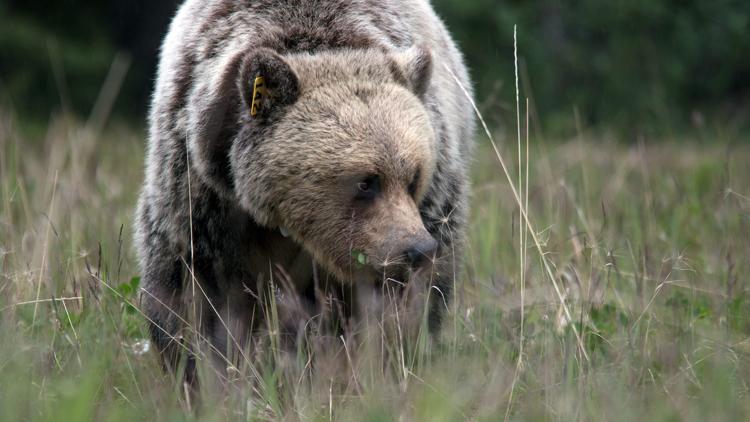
(333, 239)
(377, 240)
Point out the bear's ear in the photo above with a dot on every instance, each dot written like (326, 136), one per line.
(267, 83)
(212, 102)
(415, 63)
(211, 123)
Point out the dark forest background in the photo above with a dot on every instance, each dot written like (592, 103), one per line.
(624, 64)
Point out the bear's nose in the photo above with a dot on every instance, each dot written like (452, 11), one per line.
(421, 252)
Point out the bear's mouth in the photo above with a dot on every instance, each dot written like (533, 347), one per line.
(396, 275)
(378, 275)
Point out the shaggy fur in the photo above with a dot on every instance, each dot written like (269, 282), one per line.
(355, 88)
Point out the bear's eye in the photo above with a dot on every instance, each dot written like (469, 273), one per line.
(414, 184)
(368, 188)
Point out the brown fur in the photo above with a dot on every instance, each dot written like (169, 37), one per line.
(354, 89)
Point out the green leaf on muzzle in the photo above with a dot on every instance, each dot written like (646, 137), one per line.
(360, 257)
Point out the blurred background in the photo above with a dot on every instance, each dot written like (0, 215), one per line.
(634, 66)
(637, 187)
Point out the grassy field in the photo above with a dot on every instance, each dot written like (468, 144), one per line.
(628, 301)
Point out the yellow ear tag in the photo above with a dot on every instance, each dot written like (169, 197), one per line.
(259, 90)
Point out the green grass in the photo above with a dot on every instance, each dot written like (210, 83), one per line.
(648, 243)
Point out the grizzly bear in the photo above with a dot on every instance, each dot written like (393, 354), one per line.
(312, 153)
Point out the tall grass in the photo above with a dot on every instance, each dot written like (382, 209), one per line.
(648, 244)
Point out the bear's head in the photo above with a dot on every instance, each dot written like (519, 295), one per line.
(335, 149)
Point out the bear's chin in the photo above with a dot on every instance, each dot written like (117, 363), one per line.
(361, 275)
(392, 275)
(370, 275)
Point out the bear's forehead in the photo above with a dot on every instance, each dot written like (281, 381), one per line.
(354, 113)
(382, 116)
(365, 144)
(314, 70)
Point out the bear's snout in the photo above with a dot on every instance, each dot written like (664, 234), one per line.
(421, 251)
(397, 236)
